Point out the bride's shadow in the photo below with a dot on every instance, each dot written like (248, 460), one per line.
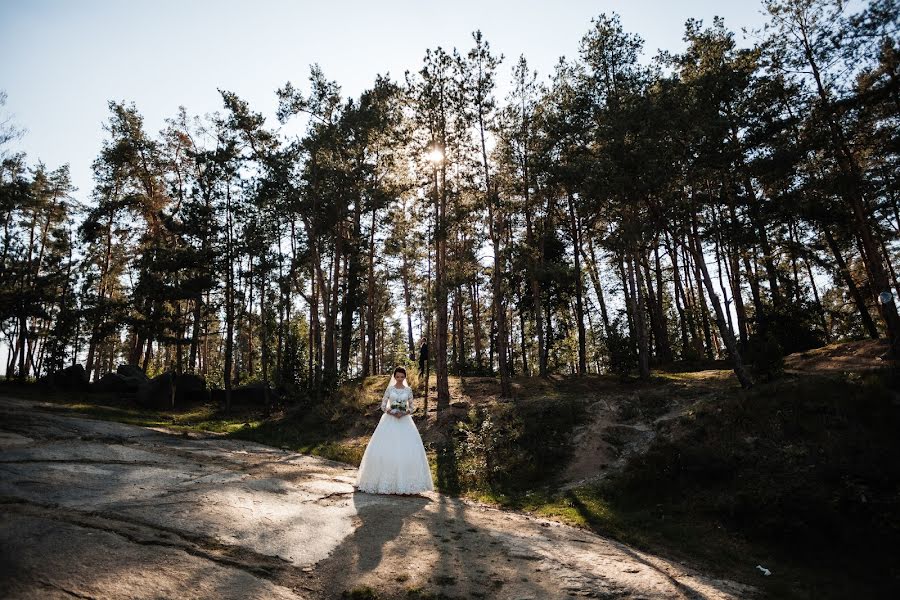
(379, 519)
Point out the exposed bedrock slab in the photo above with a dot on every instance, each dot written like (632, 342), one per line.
(96, 509)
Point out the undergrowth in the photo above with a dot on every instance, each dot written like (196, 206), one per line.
(800, 475)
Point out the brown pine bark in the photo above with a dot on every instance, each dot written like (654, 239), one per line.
(855, 293)
(637, 307)
(681, 307)
(730, 343)
(853, 197)
(441, 290)
(594, 272)
(575, 233)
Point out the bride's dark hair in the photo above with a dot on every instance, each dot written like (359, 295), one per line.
(400, 370)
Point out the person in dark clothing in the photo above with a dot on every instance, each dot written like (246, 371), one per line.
(423, 355)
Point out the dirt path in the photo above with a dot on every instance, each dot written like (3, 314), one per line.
(94, 509)
(620, 424)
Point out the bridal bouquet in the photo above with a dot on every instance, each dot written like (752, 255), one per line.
(399, 404)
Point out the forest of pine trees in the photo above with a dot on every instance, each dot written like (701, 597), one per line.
(723, 203)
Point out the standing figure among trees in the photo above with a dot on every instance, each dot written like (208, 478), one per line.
(394, 461)
(423, 356)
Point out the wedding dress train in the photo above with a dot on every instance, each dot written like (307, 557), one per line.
(394, 461)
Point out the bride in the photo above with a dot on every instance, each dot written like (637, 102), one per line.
(394, 461)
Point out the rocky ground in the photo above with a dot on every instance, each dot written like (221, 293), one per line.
(96, 509)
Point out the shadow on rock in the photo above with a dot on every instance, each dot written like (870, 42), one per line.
(379, 520)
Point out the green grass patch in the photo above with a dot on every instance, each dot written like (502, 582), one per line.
(510, 447)
(205, 418)
(420, 593)
(360, 593)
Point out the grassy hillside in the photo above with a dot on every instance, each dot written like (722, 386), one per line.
(800, 475)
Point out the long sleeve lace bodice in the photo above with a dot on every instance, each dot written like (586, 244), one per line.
(393, 393)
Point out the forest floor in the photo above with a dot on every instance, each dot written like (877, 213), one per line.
(95, 509)
(858, 356)
(799, 476)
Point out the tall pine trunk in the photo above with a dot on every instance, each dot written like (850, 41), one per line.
(575, 232)
(730, 343)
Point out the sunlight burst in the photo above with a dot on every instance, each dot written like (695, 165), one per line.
(435, 155)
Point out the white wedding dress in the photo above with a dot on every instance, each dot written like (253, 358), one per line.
(394, 461)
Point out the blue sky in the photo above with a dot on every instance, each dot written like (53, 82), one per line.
(63, 60)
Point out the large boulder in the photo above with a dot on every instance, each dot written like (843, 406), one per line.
(112, 382)
(190, 389)
(127, 379)
(133, 373)
(158, 393)
(70, 379)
